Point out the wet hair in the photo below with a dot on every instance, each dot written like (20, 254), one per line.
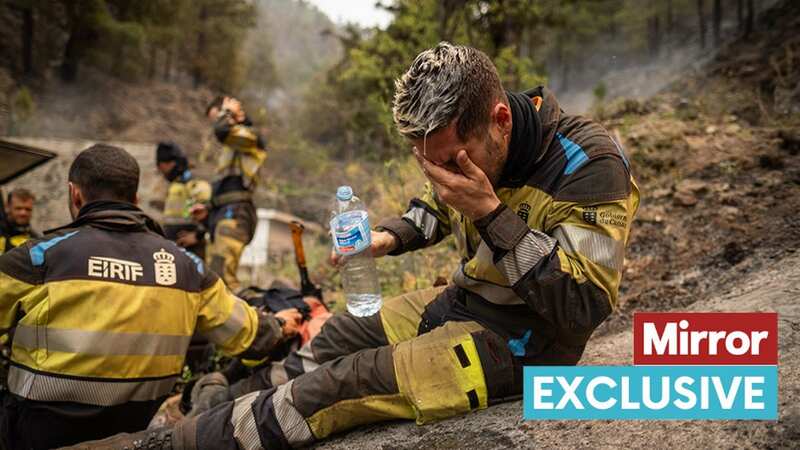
(216, 103)
(20, 194)
(448, 82)
(105, 172)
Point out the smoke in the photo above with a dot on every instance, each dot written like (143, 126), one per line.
(643, 75)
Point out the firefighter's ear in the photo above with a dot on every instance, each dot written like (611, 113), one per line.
(74, 194)
(136, 199)
(502, 117)
(76, 200)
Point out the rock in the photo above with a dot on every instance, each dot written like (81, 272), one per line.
(770, 162)
(711, 129)
(786, 99)
(790, 141)
(692, 186)
(686, 110)
(651, 214)
(659, 193)
(688, 191)
(750, 113)
(734, 253)
(733, 128)
(729, 212)
(684, 199)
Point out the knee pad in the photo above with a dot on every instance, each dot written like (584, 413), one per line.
(444, 373)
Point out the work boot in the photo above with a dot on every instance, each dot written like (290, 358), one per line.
(182, 437)
(208, 392)
(160, 439)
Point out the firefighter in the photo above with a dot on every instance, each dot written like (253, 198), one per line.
(231, 216)
(16, 228)
(184, 192)
(540, 204)
(103, 310)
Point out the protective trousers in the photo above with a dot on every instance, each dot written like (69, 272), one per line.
(410, 361)
(232, 227)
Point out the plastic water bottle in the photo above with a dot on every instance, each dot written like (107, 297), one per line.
(352, 239)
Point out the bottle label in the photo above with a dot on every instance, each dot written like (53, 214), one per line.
(351, 232)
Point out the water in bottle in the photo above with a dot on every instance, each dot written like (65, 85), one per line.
(351, 240)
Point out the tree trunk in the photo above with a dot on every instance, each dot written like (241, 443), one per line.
(670, 18)
(447, 15)
(153, 62)
(201, 49)
(656, 37)
(27, 41)
(468, 27)
(717, 24)
(71, 60)
(740, 15)
(750, 22)
(701, 17)
(168, 65)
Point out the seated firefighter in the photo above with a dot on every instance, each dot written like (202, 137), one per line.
(540, 204)
(16, 228)
(184, 192)
(104, 309)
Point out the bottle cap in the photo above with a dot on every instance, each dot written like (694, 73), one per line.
(344, 193)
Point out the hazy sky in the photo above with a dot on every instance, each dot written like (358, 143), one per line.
(362, 12)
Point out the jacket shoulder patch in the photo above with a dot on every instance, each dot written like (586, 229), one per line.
(576, 156)
(37, 252)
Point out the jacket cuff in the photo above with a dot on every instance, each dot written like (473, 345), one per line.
(405, 234)
(501, 229)
(268, 335)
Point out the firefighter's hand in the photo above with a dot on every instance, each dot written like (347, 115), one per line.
(383, 242)
(235, 107)
(199, 212)
(469, 192)
(291, 321)
(187, 239)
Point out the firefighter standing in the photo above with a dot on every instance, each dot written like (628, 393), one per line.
(103, 310)
(231, 217)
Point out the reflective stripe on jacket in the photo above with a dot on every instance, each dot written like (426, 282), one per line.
(108, 307)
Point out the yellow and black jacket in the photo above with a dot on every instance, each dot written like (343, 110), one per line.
(13, 236)
(232, 217)
(184, 192)
(103, 311)
(242, 155)
(557, 242)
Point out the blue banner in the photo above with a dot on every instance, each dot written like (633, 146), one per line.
(651, 392)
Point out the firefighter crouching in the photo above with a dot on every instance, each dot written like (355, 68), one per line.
(184, 192)
(103, 310)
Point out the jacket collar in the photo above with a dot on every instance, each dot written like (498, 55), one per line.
(113, 216)
(531, 134)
